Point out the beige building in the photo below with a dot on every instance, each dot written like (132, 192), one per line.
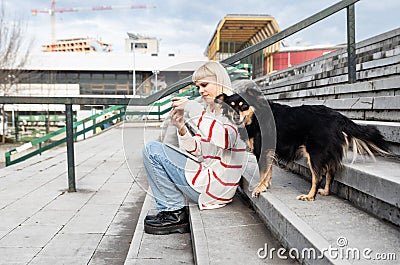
(141, 44)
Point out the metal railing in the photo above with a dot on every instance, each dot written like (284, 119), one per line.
(69, 101)
(53, 139)
(163, 107)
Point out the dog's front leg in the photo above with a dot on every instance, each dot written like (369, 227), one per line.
(311, 194)
(265, 166)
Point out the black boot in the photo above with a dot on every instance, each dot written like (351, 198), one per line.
(168, 222)
(159, 214)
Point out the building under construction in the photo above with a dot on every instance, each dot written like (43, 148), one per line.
(77, 45)
(236, 32)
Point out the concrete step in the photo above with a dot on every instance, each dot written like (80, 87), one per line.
(340, 90)
(230, 235)
(331, 226)
(233, 234)
(373, 186)
(157, 249)
(390, 130)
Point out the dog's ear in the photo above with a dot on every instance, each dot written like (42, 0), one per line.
(220, 98)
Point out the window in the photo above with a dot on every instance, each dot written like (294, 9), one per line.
(84, 76)
(109, 77)
(141, 45)
(121, 76)
(72, 77)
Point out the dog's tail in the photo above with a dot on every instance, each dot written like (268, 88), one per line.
(364, 139)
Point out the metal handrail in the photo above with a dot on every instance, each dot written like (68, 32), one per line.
(349, 4)
(191, 93)
(41, 140)
(69, 101)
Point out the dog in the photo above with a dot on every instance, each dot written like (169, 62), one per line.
(316, 132)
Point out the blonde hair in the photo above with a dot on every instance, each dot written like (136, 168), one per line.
(214, 69)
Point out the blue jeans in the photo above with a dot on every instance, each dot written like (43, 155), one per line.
(165, 170)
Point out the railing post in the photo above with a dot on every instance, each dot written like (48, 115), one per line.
(16, 129)
(351, 45)
(69, 123)
(84, 127)
(8, 159)
(94, 128)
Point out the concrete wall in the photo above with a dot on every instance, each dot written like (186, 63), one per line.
(43, 90)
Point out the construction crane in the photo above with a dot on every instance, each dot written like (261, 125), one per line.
(53, 10)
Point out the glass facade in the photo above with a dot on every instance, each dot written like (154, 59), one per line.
(107, 82)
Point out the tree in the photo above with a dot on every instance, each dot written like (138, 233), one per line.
(14, 54)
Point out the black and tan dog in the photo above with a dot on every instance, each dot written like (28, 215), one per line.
(316, 132)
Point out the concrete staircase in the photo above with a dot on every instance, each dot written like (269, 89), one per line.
(330, 222)
(358, 224)
(353, 226)
(364, 212)
(230, 235)
(373, 99)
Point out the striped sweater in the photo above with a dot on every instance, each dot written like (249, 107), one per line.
(224, 153)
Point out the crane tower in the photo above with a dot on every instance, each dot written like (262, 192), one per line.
(53, 10)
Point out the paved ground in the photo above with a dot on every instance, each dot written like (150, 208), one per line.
(41, 223)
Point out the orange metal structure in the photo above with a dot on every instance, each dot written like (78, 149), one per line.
(53, 10)
(238, 31)
(77, 45)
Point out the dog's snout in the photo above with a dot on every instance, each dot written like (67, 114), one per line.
(236, 117)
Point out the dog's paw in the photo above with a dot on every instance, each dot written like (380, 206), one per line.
(304, 197)
(258, 190)
(269, 183)
(323, 192)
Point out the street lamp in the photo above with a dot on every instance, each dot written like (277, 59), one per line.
(156, 72)
(133, 37)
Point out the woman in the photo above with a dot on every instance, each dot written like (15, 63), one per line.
(172, 176)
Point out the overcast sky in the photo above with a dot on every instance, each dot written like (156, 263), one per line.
(186, 26)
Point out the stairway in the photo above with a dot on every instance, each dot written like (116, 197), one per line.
(229, 235)
(331, 222)
(359, 223)
(353, 226)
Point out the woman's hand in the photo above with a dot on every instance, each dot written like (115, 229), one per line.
(177, 112)
(179, 103)
(177, 118)
(178, 121)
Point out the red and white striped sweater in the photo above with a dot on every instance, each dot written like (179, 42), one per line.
(224, 153)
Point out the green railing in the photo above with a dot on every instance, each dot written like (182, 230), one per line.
(47, 142)
(235, 72)
(170, 89)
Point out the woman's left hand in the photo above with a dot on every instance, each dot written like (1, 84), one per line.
(179, 103)
(177, 118)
